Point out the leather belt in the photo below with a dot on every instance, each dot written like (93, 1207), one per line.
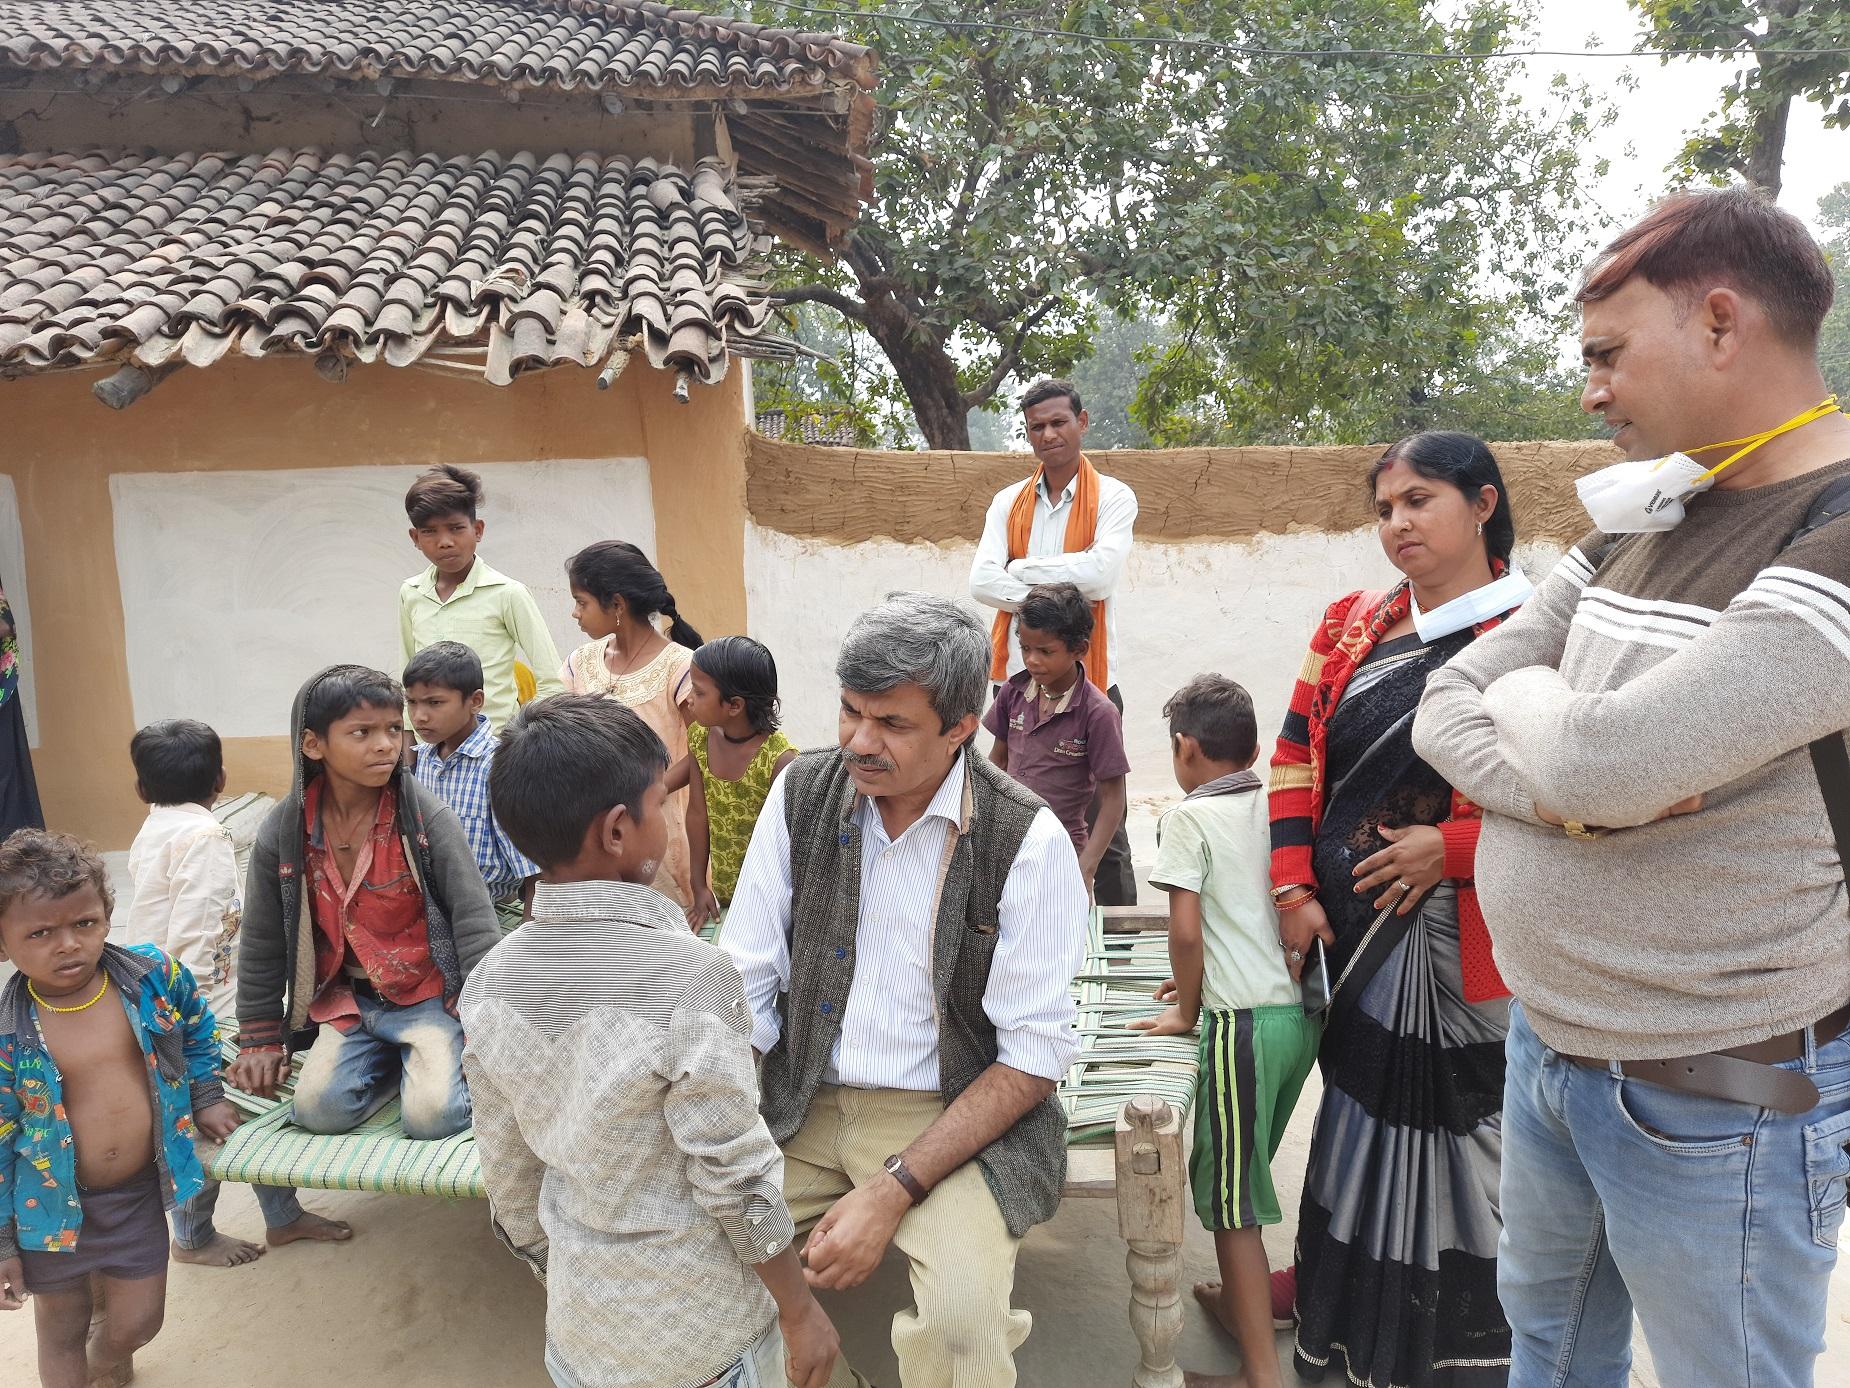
(1742, 1074)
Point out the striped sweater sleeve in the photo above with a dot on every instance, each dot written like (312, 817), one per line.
(1769, 675)
(1455, 733)
(1290, 790)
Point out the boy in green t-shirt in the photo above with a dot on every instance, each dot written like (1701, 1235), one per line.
(459, 598)
(1257, 1044)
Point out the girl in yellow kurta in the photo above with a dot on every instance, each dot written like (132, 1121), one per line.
(736, 752)
(639, 654)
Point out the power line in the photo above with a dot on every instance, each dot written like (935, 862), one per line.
(1250, 50)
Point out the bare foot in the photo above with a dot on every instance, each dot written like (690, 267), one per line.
(115, 1376)
(222, 1252)
(310, 1226)
(1209, 1295)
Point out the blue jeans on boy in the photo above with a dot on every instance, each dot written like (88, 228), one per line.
(192, 1221)
(1716, 1221)
(413, 1053)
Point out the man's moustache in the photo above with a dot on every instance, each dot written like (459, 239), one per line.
(872, 763)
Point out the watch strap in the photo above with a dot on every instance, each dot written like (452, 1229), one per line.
(896, 1168)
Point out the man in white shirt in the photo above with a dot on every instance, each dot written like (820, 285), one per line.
(908, 922)
(1003, 572)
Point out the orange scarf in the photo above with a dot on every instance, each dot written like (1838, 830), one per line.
(1081, 528)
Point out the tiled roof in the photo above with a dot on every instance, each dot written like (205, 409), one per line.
(603, 45)
(830, 428)
(502, 262)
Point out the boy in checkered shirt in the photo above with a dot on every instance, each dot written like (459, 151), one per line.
(443, 690)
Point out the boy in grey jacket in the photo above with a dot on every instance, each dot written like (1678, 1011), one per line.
(364, 913)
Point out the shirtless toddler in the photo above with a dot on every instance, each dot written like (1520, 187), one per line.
(107, 1063)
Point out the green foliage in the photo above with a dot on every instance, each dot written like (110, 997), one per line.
(1335, 241)
(1746, 135)
(1834, 341)
(1108, 380)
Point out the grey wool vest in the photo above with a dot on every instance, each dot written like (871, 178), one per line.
(1026, 1166)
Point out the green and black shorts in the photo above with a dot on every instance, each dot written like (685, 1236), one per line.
(1253, 1067)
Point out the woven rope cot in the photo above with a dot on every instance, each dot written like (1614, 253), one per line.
(1115, 1064)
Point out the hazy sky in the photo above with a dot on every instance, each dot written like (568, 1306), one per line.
(1669, 102)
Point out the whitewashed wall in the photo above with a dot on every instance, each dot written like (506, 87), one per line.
(1244, 610)
(236, 586)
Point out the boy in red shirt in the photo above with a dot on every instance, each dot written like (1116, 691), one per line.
(1055, 732)
(364, 913)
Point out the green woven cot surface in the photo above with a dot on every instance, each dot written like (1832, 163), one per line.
(1114, 1065)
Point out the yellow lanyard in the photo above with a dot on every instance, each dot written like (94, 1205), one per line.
(1827, 406)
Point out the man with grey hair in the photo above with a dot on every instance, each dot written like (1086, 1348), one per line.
(908, 922)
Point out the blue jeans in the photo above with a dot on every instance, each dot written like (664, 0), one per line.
(413, 1053)
(192, 1221)
(1716, 1221)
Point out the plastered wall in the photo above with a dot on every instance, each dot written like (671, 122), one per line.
(1242, 608)
(183, 463)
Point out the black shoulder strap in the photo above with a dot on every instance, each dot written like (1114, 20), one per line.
(1829, 759)
(1826, 507)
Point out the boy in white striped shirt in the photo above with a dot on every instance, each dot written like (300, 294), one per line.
(615, 1105)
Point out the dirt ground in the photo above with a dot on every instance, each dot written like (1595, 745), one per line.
(424, 1297)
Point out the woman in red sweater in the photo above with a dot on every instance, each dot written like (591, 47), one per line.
(1396, 1272)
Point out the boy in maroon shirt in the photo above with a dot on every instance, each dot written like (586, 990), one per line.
(1055, 732)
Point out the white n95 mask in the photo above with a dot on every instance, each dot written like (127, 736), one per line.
(1633, 497)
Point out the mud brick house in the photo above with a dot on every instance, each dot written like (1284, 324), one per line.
(260, 262)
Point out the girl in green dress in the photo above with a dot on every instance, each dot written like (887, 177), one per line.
(736, 751)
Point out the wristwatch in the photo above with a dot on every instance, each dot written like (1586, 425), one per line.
(1574, 829)
(896, 1168)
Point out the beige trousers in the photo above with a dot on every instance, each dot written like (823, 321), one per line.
(961, 1332)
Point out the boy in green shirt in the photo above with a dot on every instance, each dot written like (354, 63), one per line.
(459, 598)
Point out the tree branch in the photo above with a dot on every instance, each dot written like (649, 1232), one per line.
(822, 294)
(1011, 356)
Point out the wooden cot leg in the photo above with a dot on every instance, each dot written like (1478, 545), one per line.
(1152, 1187)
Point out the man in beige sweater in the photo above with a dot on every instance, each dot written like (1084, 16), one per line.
(1657, 866)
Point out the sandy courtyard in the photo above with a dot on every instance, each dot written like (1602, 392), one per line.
(424, 1297)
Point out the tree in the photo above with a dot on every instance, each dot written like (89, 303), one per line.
(1027, 182)
(1109, 378)
(1372, 249)
(1748, 138)
(1834, 341)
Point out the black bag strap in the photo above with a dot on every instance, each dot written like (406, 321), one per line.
(1831, 763)
(1829, 760)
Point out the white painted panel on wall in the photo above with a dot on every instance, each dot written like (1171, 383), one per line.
(13, 581)
(1240, 609)
(236, 586)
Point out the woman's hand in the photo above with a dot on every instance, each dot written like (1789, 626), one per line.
(1297, 928)
(1409, 867)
